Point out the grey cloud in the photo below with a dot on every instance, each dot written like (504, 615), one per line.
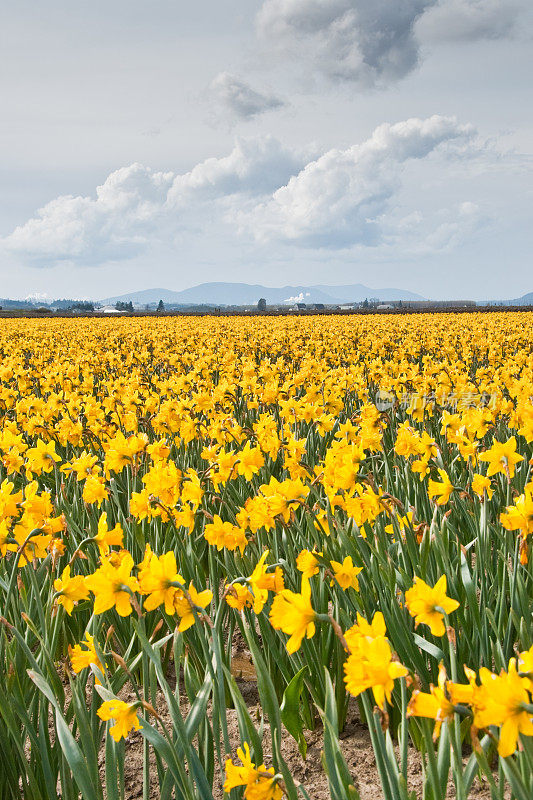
(371, 43)
(366, 42)
(236, 100)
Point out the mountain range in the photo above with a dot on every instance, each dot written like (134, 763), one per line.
(238, 294)
(525, 300)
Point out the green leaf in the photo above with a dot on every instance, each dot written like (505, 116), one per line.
(341, 783)
(290, 710)
(75, 759)
(269, 702)
(169, 754)
(69, 746)
(443, 757)
(428, 647)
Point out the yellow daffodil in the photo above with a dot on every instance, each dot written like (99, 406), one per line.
(433, 704)
(293, 614)
(441, 489)
(346, 573)
(428, 604)
(124, 716)
(70, 590)
(373, 667)
(224, 534)
(112, 586)
(84, 654)
(502, 457)
(158, 579)
(259, 783)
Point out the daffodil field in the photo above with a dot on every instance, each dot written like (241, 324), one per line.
(350, 499)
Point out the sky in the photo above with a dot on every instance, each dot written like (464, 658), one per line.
(158, 143)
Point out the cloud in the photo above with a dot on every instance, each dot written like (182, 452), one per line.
(236, 100)
(267, 200)
(254, 166)
(421, 234)
(366, 42)
(116, 224)
(342, 198)
(135, 206)
(468, 20)
(372, 43)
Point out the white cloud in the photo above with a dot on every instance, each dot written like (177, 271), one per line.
(375, 42)
(341, 198)
(254, 166)
(265, 198)
(234, 99)
(135, 205)
(116, 224)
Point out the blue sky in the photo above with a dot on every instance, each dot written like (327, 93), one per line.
(161, 143)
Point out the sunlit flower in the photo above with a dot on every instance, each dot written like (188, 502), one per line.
(346, 573)
(158, 579)
(372, 667)
(441, 489)
(186, 603)
(508, 699)
(42, 457)
(124, 716)
(260, 783)
(224, 534)
(94, 490)
(84, 654)
(307, 563)
(107, 538)
(502, 457)
(481, 484)
(433, 704)
(293, 614)
(428, 604)
(112, 586)
(239, 596)
(70, 590)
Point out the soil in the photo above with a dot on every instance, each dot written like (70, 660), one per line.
(354, 742)
(355, 745)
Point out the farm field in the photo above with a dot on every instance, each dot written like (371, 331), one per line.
(267, 558)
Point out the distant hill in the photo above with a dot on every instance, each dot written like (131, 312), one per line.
(145, 297)
(525, 300)
(5, 302)
(227, 294)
